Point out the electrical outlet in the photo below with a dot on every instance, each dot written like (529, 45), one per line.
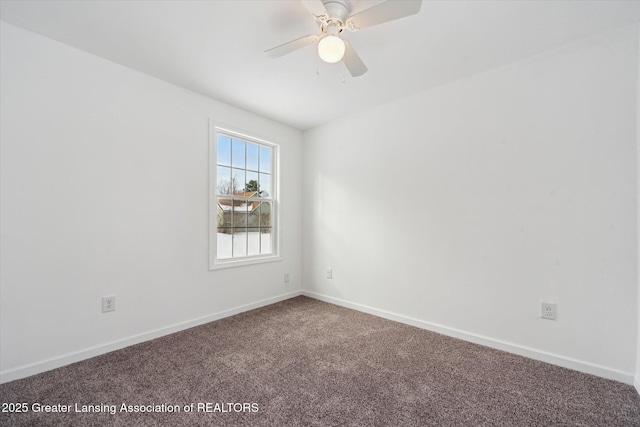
(108, 304)
(548, 310)
(287, 277)
(329, 273)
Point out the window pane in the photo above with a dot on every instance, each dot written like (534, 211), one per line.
(253, 214)
(224, 243)
(239, 242)
(225, 212)
(252, 182)
(223, 178)
(252, 157)
(265, 159)
(237, 180)
(265, 241)
(253, 241)
(264, 213)
(237, 153)
(224, 150)
(239, 213)
(265, 185)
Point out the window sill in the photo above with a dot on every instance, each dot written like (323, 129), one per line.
(231, 263)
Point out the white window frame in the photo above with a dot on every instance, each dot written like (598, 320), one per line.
(214, 262)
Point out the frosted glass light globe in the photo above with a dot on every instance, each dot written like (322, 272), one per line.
(331, 49)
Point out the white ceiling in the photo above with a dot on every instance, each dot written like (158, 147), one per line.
(216, 47)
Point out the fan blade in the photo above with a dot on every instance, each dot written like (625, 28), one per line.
(283, 49)
(384, 12)
(353, 62)
(316, 7)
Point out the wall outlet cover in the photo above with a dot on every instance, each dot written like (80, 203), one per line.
(548, 310)
(108, 304)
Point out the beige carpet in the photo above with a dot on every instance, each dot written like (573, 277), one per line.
(304, 362)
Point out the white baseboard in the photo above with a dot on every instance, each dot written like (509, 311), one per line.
(636, 383)
(578, 365)
(66, 359)
(565, 362)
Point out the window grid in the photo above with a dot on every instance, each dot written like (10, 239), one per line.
(245, 224)
(239, 204)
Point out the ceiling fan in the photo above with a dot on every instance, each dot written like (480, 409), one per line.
(333, 16)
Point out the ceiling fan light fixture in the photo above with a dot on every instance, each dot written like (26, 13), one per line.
(331, 49)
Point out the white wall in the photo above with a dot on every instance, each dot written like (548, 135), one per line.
(104, 191)
(461, 208)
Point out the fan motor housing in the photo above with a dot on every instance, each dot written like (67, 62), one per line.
(332, 27)
(337, 10)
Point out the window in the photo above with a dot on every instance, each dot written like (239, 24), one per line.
(243, 200)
